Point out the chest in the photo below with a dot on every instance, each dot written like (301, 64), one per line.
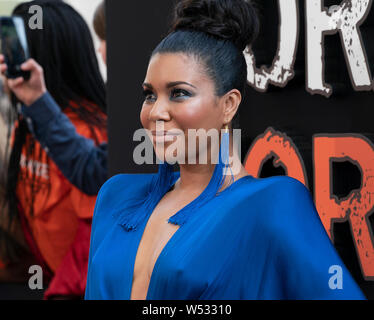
(156, 235)
(158, 232)
(34, 162)
(205, 257)
(41, 186)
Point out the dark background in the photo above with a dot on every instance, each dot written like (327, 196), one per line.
(136, 27)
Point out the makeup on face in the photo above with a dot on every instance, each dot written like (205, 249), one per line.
(178, 93)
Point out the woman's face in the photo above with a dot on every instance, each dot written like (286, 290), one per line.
(179, 96)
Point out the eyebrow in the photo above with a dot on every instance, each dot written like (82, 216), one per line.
(170, 84)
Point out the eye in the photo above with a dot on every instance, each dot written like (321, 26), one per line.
(148, 95)
(180, 93)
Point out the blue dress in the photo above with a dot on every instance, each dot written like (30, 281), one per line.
(257, 239)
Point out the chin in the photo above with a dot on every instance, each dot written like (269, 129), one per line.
(170, 157)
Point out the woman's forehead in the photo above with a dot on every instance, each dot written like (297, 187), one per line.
(172, 67)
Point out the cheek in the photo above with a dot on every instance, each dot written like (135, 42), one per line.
(144, 114)
(198, 114)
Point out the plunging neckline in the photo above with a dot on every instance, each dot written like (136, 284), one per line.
(168, 243)
(157, 259)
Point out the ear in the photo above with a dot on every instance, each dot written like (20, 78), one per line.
(231, 101)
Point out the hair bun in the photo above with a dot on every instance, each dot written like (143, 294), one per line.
(234, 20)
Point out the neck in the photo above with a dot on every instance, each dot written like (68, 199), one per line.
(197, 176)
(194, 176)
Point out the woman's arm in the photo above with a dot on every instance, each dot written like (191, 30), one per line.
(305, 259)
(82, 162)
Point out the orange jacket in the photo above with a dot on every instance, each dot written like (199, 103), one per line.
(58, 205)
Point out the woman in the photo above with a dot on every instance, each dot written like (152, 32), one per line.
(200, 233)
(55, 215)
(82, 162)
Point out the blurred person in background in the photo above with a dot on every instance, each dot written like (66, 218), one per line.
(99, 24)
(13, 236)
(55, 215)
(81, 161)
(3, 129)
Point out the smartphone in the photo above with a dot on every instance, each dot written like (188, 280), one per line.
(13, 45)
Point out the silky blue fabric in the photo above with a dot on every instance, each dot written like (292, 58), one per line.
(257, 239)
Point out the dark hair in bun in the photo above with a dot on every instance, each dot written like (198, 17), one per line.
(233, 20)
(216, 32)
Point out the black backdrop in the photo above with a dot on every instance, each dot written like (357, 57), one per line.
(136, 27)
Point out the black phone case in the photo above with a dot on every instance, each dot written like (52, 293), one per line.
(18, 73)
(14, 70)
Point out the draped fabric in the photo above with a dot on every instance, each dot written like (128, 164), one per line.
(256, 239)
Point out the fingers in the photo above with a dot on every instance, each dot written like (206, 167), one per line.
(3, 68)
(31, 65)
(13, 83)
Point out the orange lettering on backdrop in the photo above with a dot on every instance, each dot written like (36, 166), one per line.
(359, 204)
(274, 143)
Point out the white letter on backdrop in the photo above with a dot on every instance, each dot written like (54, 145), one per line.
(282, 69)
(345, 18)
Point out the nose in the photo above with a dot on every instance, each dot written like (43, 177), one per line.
(159, 111)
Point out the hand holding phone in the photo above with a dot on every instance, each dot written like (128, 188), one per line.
(13, 45)
(26, 91)
(24, 76)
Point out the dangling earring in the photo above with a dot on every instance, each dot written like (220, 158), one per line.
(225, 144)
(225, 151)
